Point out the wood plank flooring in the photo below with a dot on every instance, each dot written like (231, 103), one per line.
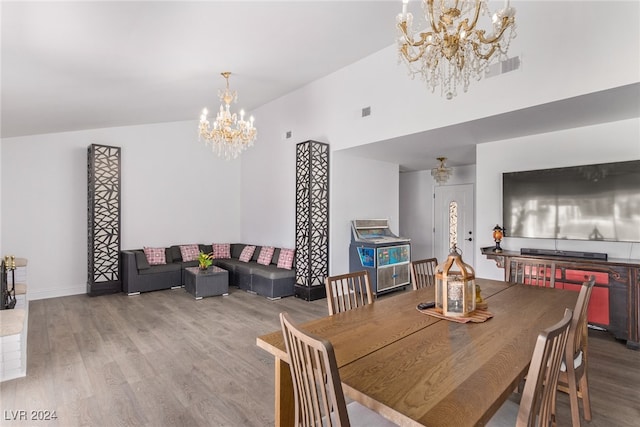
(163, 359)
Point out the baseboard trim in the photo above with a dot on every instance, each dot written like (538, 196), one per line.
(36, 294)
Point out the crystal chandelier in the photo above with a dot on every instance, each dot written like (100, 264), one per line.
(229, 136)
(453, 50)
(442, 173)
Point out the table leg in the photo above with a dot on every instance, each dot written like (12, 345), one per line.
(285, 405)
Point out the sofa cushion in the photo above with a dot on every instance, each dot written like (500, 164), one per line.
(141, 260)
(276, 255)
(176, 255)
(247, 253)
(272, 272)
(188, 264)
(222, 250)
(285, 260)
(266, 253)
(207, 249)
(161, 268)
(256, 253)
(155, 256)
(228, 264)
(189, 252)
(236, 250)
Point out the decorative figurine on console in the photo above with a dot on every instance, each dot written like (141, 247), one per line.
(498, 234)
(8, 296)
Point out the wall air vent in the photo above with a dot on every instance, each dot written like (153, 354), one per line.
(510, 64)
(366, 111)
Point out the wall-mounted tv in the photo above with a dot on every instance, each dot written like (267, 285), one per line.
(592, 202)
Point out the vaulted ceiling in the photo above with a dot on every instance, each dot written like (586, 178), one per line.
(90, 64)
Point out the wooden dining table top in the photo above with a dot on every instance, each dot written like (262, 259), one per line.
(416, 369)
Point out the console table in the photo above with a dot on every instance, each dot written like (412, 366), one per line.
(617, 289)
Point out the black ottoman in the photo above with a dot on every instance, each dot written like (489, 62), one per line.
(206, 283)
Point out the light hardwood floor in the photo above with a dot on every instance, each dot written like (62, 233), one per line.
(162, 358)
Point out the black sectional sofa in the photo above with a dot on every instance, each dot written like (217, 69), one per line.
(266, 280)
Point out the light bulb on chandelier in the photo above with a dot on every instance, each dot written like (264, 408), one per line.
(229, 136)
(453, 50)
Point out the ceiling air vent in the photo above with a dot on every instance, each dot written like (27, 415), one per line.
(366, 111)
(510, 64)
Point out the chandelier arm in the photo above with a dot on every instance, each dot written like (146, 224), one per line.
(408, 57)
(408, 40)
(506, 23)
(464, 25)
(436, 29)
(476, 15)
(485, 56)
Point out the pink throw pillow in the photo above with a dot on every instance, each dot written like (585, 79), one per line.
(155, 256)
(247, 253)
(266, 253)
(221, 250)
(189, 252)
(286, 258)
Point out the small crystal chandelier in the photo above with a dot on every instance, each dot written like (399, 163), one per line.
(441, 173)
(454, 50)
(229, 135)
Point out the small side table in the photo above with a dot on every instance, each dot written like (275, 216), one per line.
(206, 283)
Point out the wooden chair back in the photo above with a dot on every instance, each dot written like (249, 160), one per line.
(318, 394)
(423, 273)
(348, 291)
(579, 327)
(573, 376)
(531, 271)
(537, 405)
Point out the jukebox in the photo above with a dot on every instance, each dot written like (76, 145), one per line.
(376, 249)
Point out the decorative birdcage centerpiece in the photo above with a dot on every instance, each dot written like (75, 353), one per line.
(455, 286)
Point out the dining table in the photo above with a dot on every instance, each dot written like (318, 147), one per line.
(419, 370)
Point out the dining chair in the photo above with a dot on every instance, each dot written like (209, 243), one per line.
(317, 390)
(348, 291)
(423, 273)
(530, 271)
(573, 371)
(537, 404)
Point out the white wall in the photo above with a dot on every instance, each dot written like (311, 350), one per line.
(416, 212)
(360, 189)
(2, 254)
(611, 142)
(174, 190)
(417, 209)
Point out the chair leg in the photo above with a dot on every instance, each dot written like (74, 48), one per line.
(586, 402)
(573, 398)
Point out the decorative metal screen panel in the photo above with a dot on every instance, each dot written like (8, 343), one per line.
(312, 213)
(103, 196)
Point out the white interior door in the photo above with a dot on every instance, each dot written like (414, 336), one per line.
(453, 221)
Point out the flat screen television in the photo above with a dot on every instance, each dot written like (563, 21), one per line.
(592, 202)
